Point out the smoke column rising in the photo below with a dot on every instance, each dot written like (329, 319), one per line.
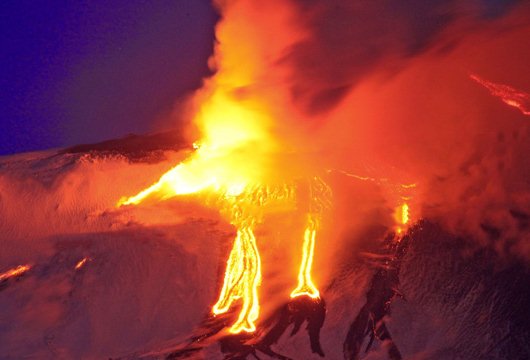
(382, 90)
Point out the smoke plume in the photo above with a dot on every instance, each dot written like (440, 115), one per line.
(378, 94)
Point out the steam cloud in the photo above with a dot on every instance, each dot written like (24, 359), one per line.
(381, 89)
(351, 39)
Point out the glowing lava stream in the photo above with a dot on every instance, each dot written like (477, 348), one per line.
(320, 200)
(19, 270)
(244, 207)
(510, 96)
(242, 278)
(81, 263)
(238, 162)
(404, 213)
(305, 284)
(402, 217)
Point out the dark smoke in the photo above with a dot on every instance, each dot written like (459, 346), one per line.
(381, 90)
(350, 39)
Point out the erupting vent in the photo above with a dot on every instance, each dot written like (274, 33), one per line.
(231, 164)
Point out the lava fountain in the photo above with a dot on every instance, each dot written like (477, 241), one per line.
(236, 163)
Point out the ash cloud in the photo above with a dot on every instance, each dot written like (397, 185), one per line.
(350, 39)
(387, 84)
(381, 90)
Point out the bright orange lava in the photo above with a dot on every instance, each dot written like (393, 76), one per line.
(242, 278)
(305, 284)
(237, 158)
(510, 96)
(401, 216)
(233, 162)
(244, 207)
(19, 270)
(81, 263)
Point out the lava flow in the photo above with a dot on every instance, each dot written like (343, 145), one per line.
(242, 278)
(81, 263)
(230, 164)
(244, 204)
(305, 284)
(239, 159)
(401, 216)
(320, 200)
(15, 272)
(507, 94)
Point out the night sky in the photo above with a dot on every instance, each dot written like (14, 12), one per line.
(76, 72)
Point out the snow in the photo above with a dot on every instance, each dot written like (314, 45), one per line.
(154, 271)
(144, 283)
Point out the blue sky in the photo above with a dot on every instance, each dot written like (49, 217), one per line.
(84, 71)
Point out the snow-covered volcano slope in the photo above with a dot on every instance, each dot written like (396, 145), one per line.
(153, 272)
(140, 283)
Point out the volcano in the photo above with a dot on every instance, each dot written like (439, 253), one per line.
(349, 180)
(139, 282)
